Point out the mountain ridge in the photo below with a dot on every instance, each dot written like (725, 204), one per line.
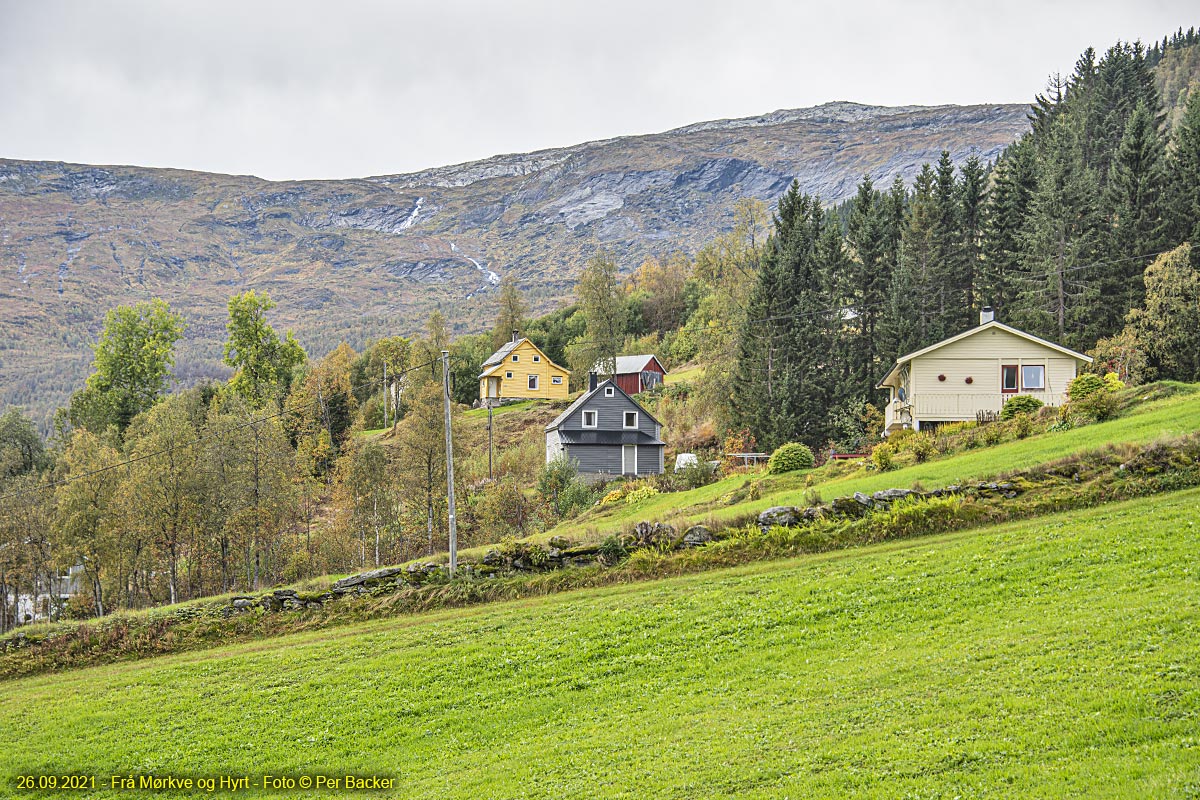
(357, 258)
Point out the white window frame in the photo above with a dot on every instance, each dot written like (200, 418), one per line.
(516, 358)
(1026, 387)
(537, 359)
(532, 382)
(508, 375)
(609, 391)
(625, 420)
(556, 380)
(595, 418)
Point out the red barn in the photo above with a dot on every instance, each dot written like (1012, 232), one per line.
(636, 373)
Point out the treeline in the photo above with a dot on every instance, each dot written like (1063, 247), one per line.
(1056, 237)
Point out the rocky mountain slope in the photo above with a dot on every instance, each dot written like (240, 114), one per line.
(354, 259)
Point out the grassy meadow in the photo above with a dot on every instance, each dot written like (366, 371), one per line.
(1053, 657)
(1156, 419)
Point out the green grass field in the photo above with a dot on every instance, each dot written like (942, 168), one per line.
(1056, 657)
(1166, 418)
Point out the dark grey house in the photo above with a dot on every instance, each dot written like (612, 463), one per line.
(607, 433)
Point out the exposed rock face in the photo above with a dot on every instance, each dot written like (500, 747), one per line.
(76, 240)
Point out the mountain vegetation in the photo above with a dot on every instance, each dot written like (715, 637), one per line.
(287, 466)
(360, 260)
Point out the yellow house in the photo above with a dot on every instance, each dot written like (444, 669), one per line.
(520, 370)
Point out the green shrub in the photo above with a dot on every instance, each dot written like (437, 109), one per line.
(639, 494)
(693, 476)
(1096, 407)
(1022, 425)
(1020, 404)
(922, 448)
(882, 455)
(612, 550)
(993, 434)
(576, 498)
(789, 458)
(1085, 386)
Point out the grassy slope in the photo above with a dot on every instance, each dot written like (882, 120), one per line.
(1160, 419)
(1047, 658)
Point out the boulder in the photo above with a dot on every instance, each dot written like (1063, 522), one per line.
(492, 558)
(889, 495)
(242, 603)
(784, 516)
(847, 507)
(559, 542)
(697, 536)
(863, 500)
(363, 578)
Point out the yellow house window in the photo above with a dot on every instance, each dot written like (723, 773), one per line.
(516, 358)
(533, 383)
(556, 380)
(508, 375)
(537, 359)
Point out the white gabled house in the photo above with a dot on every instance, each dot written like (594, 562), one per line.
(976, 371)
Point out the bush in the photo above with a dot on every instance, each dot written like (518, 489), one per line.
(612, 550)
(992, 434)
(881, 457)
(639, 494)
(1020, 404)
(1085, 386)
(1096, 407)
(1023, 425)
(921, 446)
(693, 476)
(789, 458)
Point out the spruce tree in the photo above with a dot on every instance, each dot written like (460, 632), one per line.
(971, 198)
(1059, 248)
(1006, 218)
(1136, 204)
(1184, 172)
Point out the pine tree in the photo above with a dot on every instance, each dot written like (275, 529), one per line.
(914, 310)
(949, 272)
(865, 280)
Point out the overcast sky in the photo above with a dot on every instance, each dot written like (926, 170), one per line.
(339, 88)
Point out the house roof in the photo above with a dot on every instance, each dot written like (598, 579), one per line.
(608, 437)
(902, 360)
(501, 356)
(629, 364)
(583, 398)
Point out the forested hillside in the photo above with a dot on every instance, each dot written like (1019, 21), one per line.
(295, 466)
(355, 260)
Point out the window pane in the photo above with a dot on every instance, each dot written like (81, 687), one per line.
(1033, 377)
(1009, 378)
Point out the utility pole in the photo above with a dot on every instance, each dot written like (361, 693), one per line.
(449, 463)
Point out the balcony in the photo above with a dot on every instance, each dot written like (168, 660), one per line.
(954, 407)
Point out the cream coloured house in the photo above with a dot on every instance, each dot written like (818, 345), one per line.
(976, 371)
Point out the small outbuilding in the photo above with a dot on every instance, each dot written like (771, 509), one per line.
(635, 374)
(607, 433)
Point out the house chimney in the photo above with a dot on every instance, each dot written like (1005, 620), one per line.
(986, 315)
(591, 381)
(514, 335)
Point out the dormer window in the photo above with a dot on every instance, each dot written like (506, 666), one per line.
(589, 419)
